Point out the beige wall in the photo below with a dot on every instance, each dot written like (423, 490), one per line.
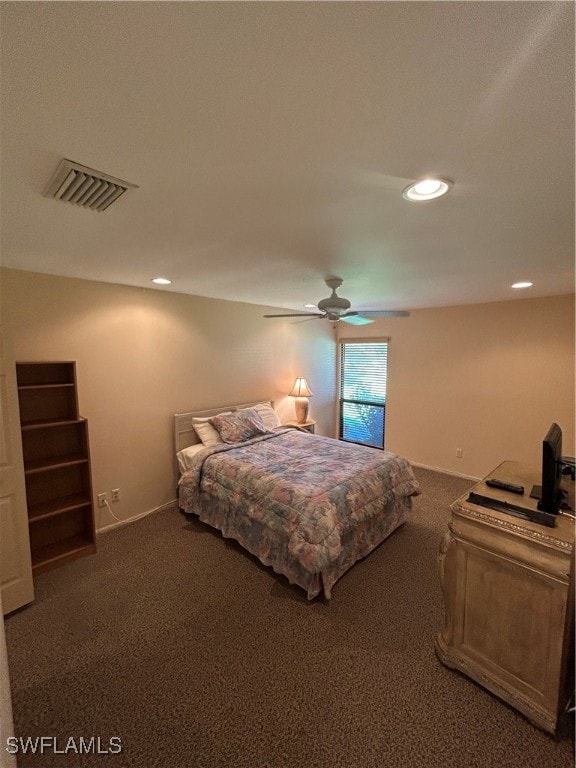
(487, 378)
(144, 354)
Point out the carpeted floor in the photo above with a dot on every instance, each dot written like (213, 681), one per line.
(195, 656)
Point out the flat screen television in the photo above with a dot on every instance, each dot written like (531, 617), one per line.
(549, 493)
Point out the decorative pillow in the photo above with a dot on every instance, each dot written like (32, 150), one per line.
(206, 432)
(267, 414)
(186, 456)
(239, 426)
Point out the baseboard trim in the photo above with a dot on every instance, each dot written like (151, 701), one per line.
(446, 471)
(122, 523)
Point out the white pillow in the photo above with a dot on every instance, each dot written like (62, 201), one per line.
(267, 414)
(186, 455)
(206, 432)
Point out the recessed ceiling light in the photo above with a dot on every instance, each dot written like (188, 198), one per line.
(310, 306)
(427, 189)
(523, 284)
(161, 281)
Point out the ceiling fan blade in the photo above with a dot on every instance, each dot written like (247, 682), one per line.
(384, 313)
(356, 320)
(308, 319)
(299, 314)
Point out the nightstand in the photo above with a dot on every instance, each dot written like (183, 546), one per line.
(307, 425)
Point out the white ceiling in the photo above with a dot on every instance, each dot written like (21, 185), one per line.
(271, 143)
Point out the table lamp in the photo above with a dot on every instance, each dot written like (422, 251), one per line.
(301, 392)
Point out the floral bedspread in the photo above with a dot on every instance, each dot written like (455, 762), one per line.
(308, 488)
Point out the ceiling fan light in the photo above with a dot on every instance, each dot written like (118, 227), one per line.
(426, 189)
(335, 311)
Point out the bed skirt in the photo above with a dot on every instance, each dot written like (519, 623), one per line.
(272, 549)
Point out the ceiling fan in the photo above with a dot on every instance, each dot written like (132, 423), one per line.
(336, 308)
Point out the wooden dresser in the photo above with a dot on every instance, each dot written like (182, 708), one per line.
(508, 587)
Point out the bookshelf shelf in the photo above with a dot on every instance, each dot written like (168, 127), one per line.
(56, 464)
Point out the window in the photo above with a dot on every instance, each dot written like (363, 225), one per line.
(363, 370)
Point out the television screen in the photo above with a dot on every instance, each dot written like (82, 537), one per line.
(550, 494)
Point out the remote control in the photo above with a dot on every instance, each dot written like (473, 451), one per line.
(493, 483)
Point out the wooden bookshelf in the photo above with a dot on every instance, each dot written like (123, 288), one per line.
(56, 464)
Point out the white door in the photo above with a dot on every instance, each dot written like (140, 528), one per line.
(6, 726)
(15, 565)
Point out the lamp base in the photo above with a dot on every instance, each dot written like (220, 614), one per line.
(301, 406)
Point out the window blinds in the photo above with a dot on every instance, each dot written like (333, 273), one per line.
(363, 375)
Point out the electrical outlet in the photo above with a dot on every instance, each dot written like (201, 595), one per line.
(116, 494)
(458, 453)
(102, 499)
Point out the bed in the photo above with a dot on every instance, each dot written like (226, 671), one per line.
(306, 505)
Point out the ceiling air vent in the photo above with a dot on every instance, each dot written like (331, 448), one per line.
(74, 183)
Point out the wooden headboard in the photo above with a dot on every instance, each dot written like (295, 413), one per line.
(184, 433)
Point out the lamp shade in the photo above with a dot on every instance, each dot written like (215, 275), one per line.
(300, 388)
